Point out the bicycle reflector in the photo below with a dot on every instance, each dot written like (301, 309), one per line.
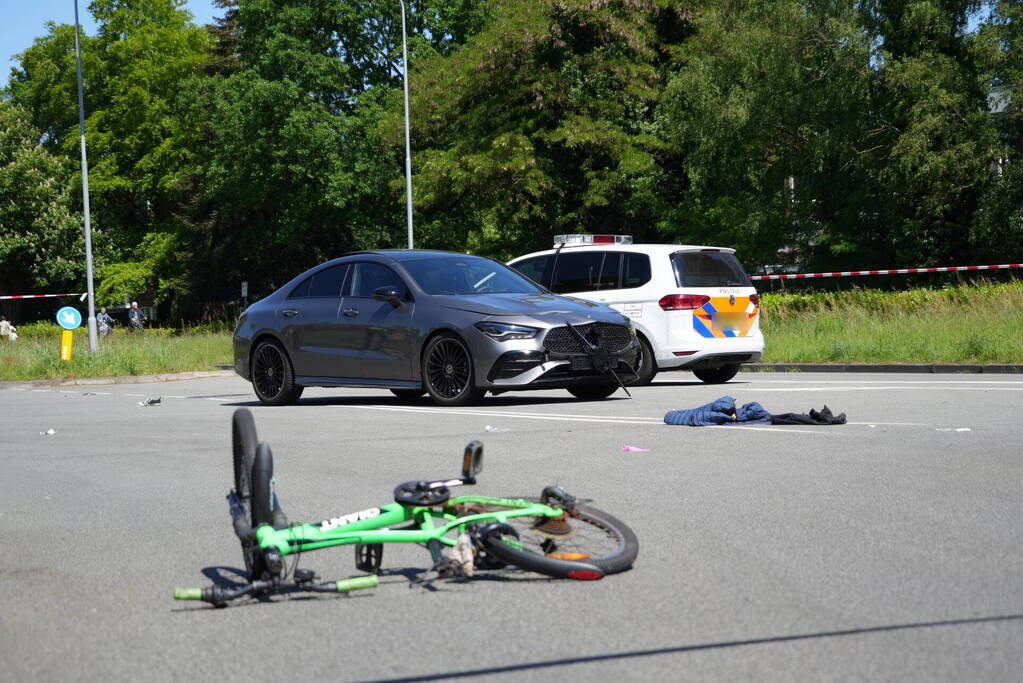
(571, 557)
(572, 240)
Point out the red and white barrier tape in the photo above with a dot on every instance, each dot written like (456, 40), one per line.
(893, 271)
(42, 296)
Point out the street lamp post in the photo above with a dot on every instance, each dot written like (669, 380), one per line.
(408, 142)
(93, 337)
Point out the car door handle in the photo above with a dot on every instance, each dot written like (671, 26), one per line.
(289, 312)
(351, 312)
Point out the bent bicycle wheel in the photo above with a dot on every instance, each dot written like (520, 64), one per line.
(243, 444)
(584, 543)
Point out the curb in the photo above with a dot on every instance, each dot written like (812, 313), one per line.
(931, 368)
(129, 379)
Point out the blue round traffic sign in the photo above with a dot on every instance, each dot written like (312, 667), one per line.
(69, 318)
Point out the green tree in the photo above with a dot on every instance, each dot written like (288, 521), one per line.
(543, 123)
(772, 114)
(41, 241)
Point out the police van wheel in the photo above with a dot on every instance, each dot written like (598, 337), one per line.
(646, 367)
(717, 375)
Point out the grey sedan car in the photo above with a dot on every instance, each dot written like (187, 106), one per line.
(451, 325)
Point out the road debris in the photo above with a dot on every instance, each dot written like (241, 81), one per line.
(635, 449)
(150, 401)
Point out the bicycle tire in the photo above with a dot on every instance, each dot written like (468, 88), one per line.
(260, 509)
(595, 539)
(243, 446)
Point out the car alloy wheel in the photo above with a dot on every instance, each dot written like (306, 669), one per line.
(447, 370)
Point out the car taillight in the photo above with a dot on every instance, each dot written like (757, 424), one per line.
(754, 299)
(682, 302)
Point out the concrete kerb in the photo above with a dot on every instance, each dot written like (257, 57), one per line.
(130, 379)
(931, 368)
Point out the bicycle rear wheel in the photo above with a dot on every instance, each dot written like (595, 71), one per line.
(572, 546)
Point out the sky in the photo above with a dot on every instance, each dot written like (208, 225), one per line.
(24, 21)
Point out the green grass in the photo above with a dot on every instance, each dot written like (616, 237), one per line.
(981, 323)
(36, 355)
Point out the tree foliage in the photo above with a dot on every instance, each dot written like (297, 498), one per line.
(41, 242)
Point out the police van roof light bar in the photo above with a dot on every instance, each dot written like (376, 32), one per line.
(575, 240)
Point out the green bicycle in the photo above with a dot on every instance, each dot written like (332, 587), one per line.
(555, 535)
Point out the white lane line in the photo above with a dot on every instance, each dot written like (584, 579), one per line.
(134, 394)
(524, 416)
(888, 381)
(170, 396)
(41, 391)
(219, 399)
(902, 388)
(897, 424)
(772, 428)
(515, 413)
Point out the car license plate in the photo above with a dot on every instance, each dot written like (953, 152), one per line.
(732, 322)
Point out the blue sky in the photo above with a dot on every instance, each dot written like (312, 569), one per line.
(24, 21)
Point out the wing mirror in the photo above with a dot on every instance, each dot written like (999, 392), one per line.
(387, 293)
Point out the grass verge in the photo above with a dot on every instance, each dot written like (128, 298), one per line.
(980, 323)
(36, 355)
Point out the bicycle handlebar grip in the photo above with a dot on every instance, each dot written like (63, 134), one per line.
(188, 593)
(357, 583)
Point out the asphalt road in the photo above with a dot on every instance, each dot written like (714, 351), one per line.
(889, 548)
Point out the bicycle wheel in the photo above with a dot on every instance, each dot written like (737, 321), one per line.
(243, 444)
(571, 546)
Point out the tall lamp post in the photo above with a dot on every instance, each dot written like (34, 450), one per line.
(408, 142)
(93, 337)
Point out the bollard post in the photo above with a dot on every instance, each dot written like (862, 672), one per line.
(67, 339)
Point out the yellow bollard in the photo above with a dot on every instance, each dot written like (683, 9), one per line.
(67, 338)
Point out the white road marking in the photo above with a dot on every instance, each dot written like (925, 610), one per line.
(888, 381)
(219, 399)
(578, 418)
(903, 388)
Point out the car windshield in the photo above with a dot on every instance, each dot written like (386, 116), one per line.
(464, 275)
(708, 269)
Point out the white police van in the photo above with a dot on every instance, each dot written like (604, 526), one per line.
(694, 307)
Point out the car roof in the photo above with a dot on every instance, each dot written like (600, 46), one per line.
(639, 248)
(408, 254)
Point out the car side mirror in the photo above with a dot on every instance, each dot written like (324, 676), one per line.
(472, 462)
(387, 293)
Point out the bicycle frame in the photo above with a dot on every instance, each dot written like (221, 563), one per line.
(370, 526)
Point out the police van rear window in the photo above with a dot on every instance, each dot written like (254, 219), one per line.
(708, 269)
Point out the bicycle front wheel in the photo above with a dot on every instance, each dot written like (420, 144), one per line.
(570, 546)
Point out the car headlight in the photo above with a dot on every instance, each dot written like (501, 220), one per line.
(506, 331)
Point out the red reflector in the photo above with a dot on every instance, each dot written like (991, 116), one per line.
(682, 302)
(585, 575)
(603, 239)
(683, 353)
(754, 299)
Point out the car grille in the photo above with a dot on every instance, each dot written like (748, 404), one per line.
(612, 337)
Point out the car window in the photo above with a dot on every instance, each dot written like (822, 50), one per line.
(635, 270)
(586, 271)
(536, 268)
(302, 291)
(708, 269)
(327, 283)
(466, 275)
(368, 277)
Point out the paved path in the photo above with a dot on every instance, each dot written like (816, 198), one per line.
(890, 548)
